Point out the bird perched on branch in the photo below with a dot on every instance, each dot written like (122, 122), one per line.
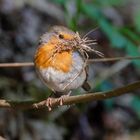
(61, 60)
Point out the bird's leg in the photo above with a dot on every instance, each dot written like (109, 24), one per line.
(61, 99)
(48, 102)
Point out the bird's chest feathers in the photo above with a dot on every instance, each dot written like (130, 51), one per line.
(47, 57)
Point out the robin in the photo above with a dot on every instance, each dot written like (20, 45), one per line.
(60, 61)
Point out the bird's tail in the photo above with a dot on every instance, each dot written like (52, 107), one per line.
(86, 86)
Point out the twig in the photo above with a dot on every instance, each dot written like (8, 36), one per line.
(26, 64)
(114, 59)
(72, 99)
(20, 64)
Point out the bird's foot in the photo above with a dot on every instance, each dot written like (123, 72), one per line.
(48, 103)
(61, 99)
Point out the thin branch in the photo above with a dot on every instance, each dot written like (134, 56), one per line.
(113, 59)
(20, 64)
(72, 99)
(27, 64)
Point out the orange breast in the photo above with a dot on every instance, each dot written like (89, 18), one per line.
(45, 57)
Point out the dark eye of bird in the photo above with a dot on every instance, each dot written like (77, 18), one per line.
(39, 43)
(61, 36)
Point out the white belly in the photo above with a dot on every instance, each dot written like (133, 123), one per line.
(60, 81)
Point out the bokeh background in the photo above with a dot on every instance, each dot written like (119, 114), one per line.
(116, 25)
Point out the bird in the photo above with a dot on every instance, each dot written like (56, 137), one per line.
(60, 62)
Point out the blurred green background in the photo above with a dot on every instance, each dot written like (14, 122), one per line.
(116, 25)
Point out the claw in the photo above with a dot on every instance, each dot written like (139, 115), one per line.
(36, 106)
(48, 103)
(61, 99)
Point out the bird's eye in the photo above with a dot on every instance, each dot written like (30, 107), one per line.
(61, 36)
(39, 43)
